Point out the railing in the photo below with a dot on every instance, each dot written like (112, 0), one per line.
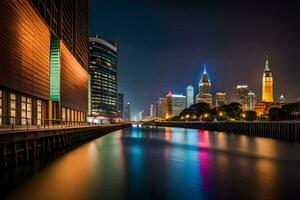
(12, 123)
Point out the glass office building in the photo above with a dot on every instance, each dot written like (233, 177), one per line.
(103, 77)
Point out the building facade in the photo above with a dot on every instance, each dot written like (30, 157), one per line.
(220, 99)
(68, 21)
(120, 105)
(152, 110)
(41, 79)
(127, 112)
(103, 77)
(267, 84)
(251, 101)
(189, 96)
(158, 107)
(204, 95)
(172, 105)
(242, 95)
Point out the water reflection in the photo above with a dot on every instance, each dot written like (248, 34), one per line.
(169, 163)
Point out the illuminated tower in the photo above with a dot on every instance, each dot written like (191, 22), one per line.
(204, 84)
(204, 95)
(267, 84)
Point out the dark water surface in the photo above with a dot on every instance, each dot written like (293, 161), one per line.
(165, 163)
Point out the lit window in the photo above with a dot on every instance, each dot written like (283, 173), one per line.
(39, 112)
(26, 110)
(13, 108)
(0, 107)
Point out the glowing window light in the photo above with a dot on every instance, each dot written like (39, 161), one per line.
(54, 71)
(89, 96)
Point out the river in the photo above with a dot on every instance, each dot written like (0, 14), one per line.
(163, 163)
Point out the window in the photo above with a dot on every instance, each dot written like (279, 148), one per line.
(26, 110)
(39, 112)
(1, 107)
(13, 108)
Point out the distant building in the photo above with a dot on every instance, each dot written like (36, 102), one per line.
(251, 101)
(220, 99)
(127, 112)
(103, 75)
(189, 96)
(151, 110)
(282, 99)
(172, 105)
(140, 116)
(120, 107)
(262, 108)
(267, 84)
(204, 95)
(242, 95)
(158, 107)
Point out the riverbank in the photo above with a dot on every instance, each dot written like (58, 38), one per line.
(289, 131)
(24, 146)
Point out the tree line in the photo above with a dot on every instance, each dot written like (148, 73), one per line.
(234, 112)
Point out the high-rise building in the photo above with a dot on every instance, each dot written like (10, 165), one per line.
(103, 75)
(282, 99)
(172, 105)
(120, 105)
(242, 95)
(251, 100)
(220, 99)
(189, 96)
(67, 21)
(42, 77)
(158, 107)
(267, 83)
(204, 95)
(127, 112)
(140, 116)
(151, 110)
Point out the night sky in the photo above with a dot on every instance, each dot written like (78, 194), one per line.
(163, 44)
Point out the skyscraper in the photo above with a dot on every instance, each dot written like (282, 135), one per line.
(103, 74)
(189, 96)
(127, 113)
(151, 110)
(120, 105)
(158, 107)
(251, 100)
(204, 95)
(220, 99)
(242, 94)
(48, 78)
(172, 105)
(267, 83)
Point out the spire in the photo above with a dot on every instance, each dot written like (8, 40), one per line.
(267, 68)
(204, 70)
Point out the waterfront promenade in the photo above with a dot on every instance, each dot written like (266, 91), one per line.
(289, 131)
(24, 145)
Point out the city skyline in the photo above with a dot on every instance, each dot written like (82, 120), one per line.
(145, 38)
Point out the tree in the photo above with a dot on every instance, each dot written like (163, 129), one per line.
(185, 112)
(290, 111)
(232, 110)
(199, 109)
(274, 114)
(250, 115)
